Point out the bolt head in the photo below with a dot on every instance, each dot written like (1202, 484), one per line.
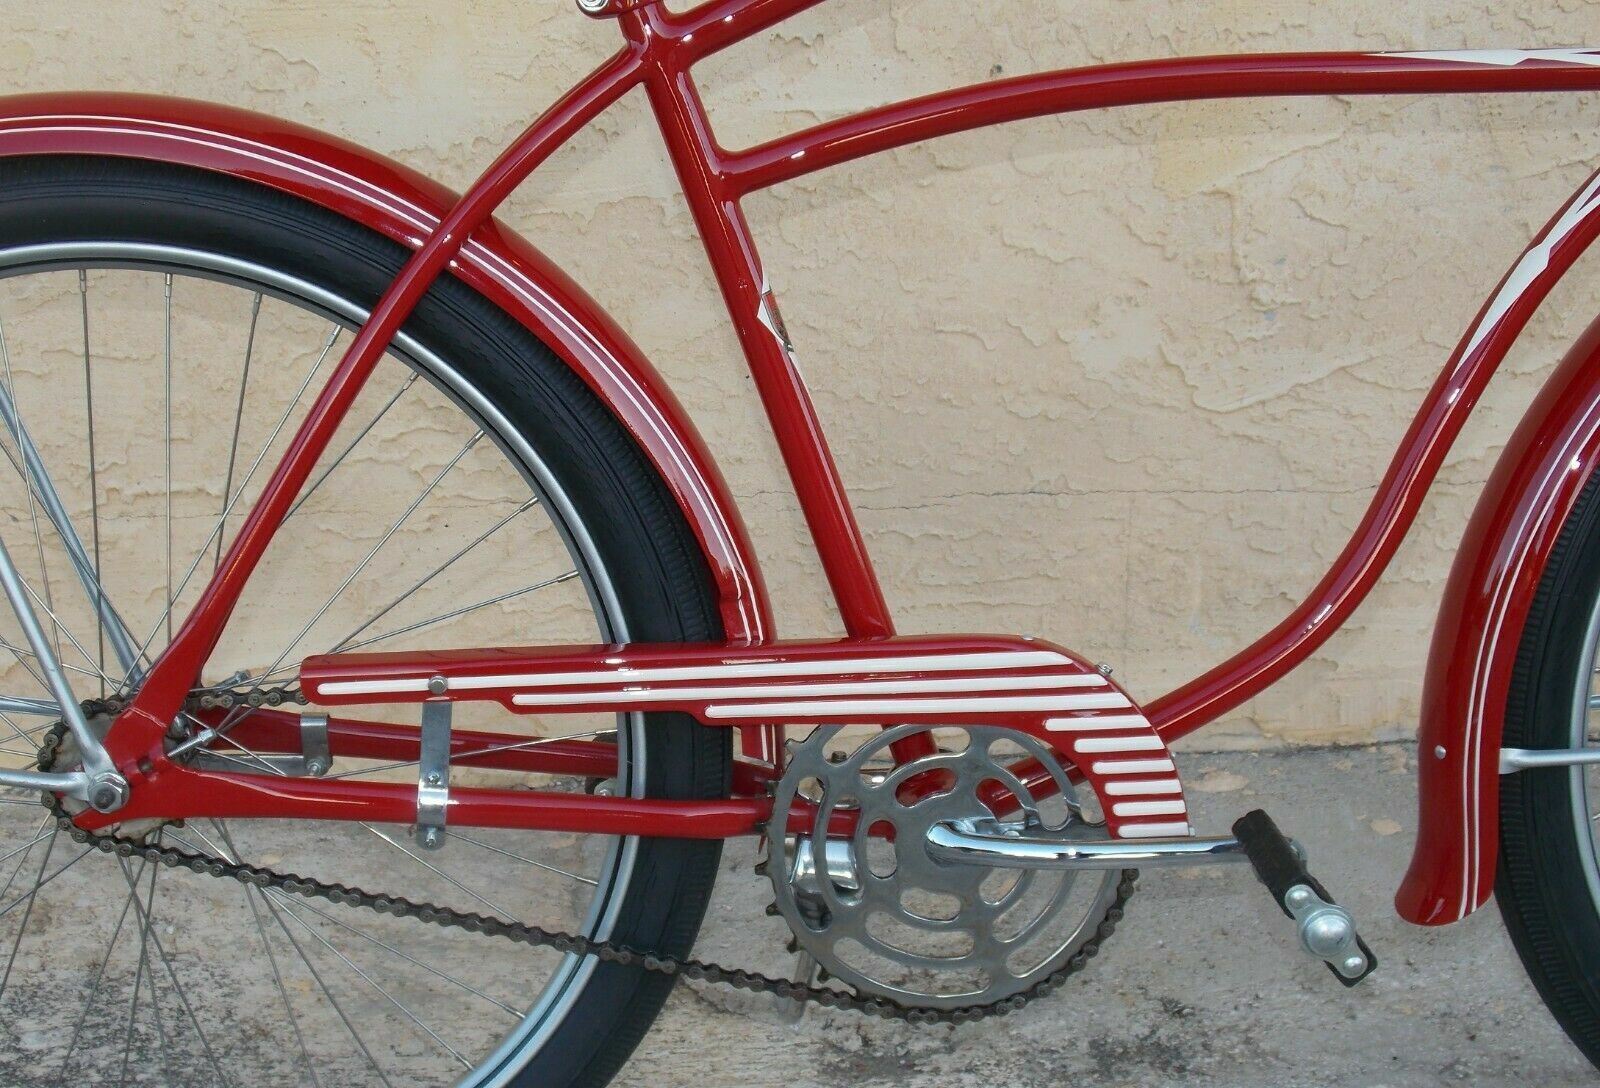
(434, 778)
(316, 767)
(1354, 965)
(438, 685)
(108, 793)
(1438, 751)
(430, 837)
(1298, 896)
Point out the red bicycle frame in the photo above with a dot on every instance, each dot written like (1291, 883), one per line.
(1485, 603)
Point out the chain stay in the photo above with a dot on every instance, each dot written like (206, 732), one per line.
(538, 936)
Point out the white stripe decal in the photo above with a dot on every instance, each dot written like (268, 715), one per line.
(1179, 829)
(1133, 766)
(1532, 264)
(1125, 789)
(1505, 58)
(1149, 808)
(1004, 659)
(844, 707)
(1146, 743)
(972, 684)
(1103, 721)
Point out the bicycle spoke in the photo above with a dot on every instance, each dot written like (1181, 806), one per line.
(166, 403)
(172, 972)
(238, 420)
(361, 1043)
(526, 861)
(27, 915)
(23, 651)
(10, 392)
(373, 551)
(92, 991)
(410, 380)
(370, 939)
(406, 630)
(36, 480)
(435, 870)
(431, 575)
(28, 896)
(266, 946)
(138, 974)
(385, 994)
(222, 521)
(459, 756)
(94, 486)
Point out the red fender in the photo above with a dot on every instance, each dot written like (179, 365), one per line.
(404, 205)
(1491, 588)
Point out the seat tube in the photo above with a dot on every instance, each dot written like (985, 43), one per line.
(782, 389)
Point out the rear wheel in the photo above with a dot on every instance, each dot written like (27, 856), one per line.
(1548, 881)
(162, 333)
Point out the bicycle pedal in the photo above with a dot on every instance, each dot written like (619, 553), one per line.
(1327, 930)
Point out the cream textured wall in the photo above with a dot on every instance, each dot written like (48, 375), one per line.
(1124, 380)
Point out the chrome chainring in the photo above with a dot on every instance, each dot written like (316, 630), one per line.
(876, 911)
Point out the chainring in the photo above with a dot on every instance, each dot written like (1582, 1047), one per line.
(876, 911)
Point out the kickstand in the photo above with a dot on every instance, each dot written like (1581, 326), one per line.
(790, 1011)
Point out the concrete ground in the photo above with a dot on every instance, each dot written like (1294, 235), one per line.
(1201, 985)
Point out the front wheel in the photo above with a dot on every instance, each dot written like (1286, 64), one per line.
(1548, 880)
(162, 332)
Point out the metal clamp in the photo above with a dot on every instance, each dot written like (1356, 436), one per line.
(314, 760)
(433, 774)
(1327, 931)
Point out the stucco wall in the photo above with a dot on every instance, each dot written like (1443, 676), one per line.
(1121, 380)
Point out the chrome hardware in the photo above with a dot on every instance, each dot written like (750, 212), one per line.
(433, 774)
(93, 754)
(986, 841)
(314, 760)
(1523, 759)
(314, 747)
(839, 857)
(1327, 930)
(879, 911)
(108, 792)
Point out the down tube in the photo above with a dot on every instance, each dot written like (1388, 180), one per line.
(139, 731)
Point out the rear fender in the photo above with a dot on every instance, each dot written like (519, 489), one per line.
(406, 206)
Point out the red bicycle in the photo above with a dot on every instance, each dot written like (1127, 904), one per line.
(494, 871)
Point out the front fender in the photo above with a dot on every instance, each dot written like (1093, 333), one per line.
(1492, 584)
(405, 206)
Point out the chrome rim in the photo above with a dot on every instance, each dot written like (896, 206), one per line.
(248, 986)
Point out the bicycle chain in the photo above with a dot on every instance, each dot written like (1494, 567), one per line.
(522, 933)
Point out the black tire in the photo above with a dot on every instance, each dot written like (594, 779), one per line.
(1546, 883)
(646, 549)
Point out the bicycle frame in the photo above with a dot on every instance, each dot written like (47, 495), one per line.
(1546, 464)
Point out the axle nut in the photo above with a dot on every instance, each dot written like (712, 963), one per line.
(108, 792)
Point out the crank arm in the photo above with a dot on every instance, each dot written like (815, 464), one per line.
(996, 844)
